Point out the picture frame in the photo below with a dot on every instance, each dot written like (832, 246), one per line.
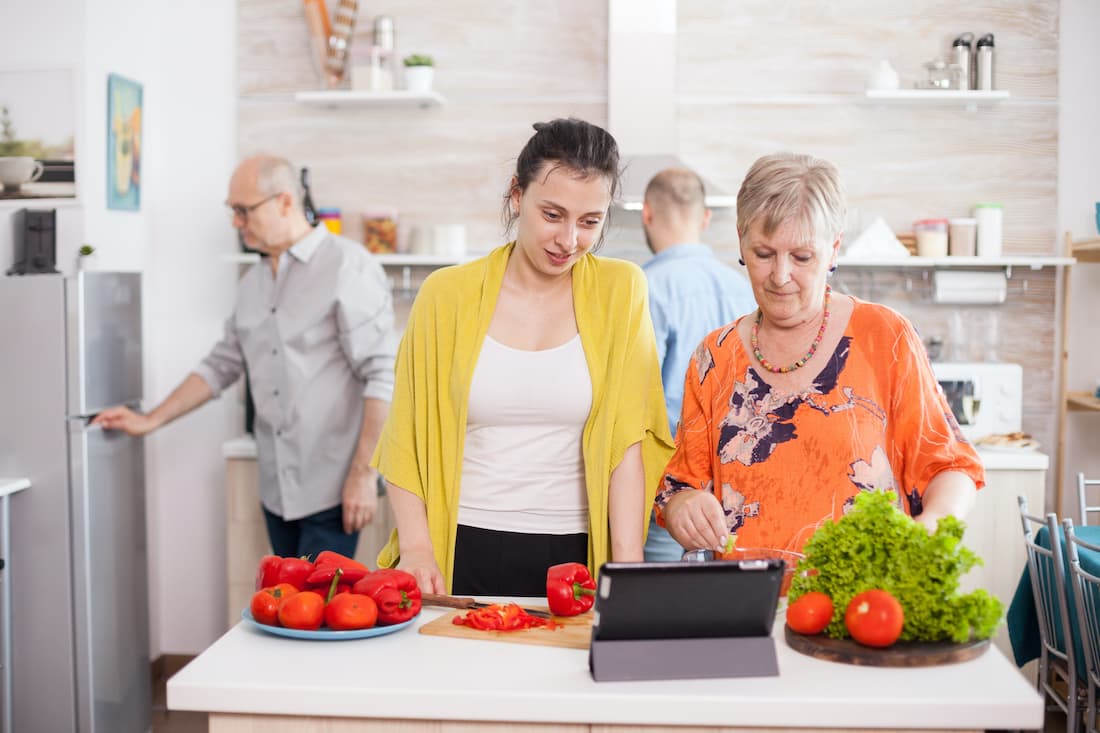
(124, 143)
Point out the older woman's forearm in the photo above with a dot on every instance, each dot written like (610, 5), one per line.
(949, 493)
(625, 510)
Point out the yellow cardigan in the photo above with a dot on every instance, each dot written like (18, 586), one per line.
(421, 445)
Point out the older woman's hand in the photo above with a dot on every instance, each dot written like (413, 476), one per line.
(695, 519)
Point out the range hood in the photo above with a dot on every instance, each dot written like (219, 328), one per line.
(641, 96)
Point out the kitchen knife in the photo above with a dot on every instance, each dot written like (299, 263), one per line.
(436, 599)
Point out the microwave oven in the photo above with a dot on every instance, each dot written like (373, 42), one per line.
(985, 397)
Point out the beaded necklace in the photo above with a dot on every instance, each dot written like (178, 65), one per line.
(754, 340)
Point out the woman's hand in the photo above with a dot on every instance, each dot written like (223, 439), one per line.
(695, 519)
(422, 565)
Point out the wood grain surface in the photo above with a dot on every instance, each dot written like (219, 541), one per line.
(901, 654)
(575, 632)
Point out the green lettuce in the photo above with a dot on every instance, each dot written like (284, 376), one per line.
(876, 545)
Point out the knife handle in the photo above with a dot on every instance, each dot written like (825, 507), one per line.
(436, 599)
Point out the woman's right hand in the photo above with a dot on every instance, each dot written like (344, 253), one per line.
(422, 564)
(695, 519)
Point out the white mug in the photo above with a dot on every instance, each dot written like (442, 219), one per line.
(14, 172)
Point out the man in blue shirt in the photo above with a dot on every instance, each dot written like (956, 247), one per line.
(691, 293)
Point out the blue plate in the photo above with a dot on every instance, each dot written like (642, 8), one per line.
(325, 634)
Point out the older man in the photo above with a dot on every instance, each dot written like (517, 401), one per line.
(691, 293)
(313, 327)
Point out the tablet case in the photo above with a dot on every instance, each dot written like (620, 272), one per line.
(663, 621)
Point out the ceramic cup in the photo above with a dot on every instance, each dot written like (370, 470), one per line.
(14, 172)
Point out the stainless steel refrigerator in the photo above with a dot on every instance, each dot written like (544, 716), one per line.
(77, 572)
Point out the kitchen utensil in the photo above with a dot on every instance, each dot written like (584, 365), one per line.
(573, 632)
(901, 654)
(437, 599)
(985, 62)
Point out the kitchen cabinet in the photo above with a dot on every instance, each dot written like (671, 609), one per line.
(7, 488)
(1083, 251)
(246, 534)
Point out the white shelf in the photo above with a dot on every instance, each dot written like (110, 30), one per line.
(241, 258)
(351, 98)
(937, 96)
(405, 260)
(1035, 262)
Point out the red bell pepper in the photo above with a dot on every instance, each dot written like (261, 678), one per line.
(328, 557)
(394, 591)
(570, 589)
(267, 574)
(498, 617)
(322, 575)
(295, 570)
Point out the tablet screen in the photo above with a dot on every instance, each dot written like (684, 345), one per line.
(682, 600)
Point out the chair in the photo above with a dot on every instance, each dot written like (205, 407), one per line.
(1083, 508)
(1057, 680)
(1086, 592)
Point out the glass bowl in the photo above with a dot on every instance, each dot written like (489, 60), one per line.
(790, 560)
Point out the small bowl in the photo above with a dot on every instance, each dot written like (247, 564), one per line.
(790, 560)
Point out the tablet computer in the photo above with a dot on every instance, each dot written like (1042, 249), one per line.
(683, 600)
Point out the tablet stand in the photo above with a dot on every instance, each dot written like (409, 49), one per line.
(682, 659)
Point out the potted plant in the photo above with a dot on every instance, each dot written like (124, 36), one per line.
(419, 69)
(86, 257)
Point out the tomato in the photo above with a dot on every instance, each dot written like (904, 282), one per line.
(811, 613)
(874, 618)
(351, 611)
(265, 603)
(305, 610)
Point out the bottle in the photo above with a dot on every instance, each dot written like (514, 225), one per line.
(990, 218)
(382, 55)
(985, 62)
(963, 50)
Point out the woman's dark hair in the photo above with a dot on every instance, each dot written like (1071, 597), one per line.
(576, 145)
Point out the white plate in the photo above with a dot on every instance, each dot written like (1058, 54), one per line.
(326, 634)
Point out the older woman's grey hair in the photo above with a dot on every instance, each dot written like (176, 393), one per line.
(787, 188)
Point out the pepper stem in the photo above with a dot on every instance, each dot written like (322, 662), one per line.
(332, 586)
(580, 590)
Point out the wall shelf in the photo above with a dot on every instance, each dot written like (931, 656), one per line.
(351, 98)
(1082, 401)
(409, 260)
(937, 96)
(1086, 250)
(1034, 262)
(241, 258)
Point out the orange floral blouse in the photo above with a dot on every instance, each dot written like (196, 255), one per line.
(782, 464)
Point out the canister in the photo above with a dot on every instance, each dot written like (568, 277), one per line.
(984, 62)
(990, 217)
(962, 234)
(963, 52)
(931, 237)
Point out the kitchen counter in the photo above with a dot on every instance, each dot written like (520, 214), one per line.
(248, 676)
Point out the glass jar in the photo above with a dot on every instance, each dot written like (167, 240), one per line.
(931, 237)
(962, 236)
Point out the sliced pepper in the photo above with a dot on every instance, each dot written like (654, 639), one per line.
(570, 589)
(501, 617)
(394, 591)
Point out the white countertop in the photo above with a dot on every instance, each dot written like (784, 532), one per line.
(414, 676)
(12, 485)
(244, 447)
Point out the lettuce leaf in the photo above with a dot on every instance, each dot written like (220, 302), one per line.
(876, 545)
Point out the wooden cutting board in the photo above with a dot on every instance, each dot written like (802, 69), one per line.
(901, 654)
(575, 632)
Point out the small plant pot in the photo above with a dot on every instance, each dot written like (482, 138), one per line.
(87, 263)
(419, 78)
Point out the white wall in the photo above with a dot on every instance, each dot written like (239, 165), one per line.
(184, 55)
(1078, 192)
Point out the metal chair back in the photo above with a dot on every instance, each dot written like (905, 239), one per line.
(1084, 509)
(1086, 592)
(1046, 567)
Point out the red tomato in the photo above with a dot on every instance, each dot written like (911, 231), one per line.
(305, 610)
(811, 613)
(874, 618)
(351, 611)
(265, 608)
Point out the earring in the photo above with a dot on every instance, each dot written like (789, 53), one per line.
(741, 261)
(832, 269)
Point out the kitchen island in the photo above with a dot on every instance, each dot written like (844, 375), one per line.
(408, 682)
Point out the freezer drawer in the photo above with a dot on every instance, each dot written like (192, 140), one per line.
(110, 589)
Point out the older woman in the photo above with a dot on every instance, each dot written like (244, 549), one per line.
(790, 411)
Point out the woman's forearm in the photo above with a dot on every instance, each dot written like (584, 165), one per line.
(949, 493)
(411, 518)
(625, 510)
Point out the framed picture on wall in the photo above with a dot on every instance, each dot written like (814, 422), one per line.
(123, 143)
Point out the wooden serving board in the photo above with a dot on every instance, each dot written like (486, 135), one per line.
(575, 632)
(901, 654)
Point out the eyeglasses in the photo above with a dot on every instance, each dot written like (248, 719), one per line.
(239, 210)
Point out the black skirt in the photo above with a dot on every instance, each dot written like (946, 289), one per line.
(493, 563)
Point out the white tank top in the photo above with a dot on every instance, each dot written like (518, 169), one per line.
(522, 467)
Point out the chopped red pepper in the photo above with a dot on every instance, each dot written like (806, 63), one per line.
(570, 589)
(498, 617)
(394, 591)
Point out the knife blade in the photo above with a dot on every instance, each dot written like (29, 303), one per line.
(438, 599)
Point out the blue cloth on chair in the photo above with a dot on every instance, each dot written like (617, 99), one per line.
(1023, 619)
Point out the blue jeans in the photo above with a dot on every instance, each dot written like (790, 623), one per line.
(308, 536)
(659, 545)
